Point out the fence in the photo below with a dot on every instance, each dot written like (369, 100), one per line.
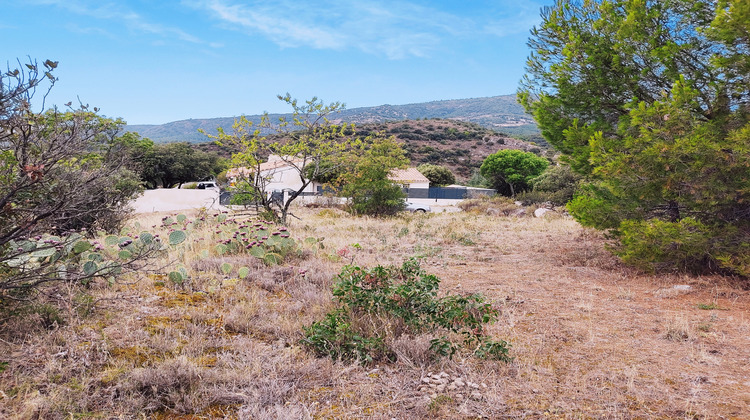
(447, 193)
(433, 192)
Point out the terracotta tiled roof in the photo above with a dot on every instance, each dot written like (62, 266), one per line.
(408, 175)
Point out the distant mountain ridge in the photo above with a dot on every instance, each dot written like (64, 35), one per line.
(499, 113)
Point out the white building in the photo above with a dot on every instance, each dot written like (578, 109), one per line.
(279, 175)
(409, 178)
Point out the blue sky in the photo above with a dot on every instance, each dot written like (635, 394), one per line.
(151, 62)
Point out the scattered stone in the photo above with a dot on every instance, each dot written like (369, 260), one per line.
(459, 382)
(542, 212)
(519, 213)
(440, 388)
(426, 380)
(433, 396)
(683, 287)
(476, 395)
(484, 385)
(459, 396)
(473, 385)
(452, 387)
(444, 375)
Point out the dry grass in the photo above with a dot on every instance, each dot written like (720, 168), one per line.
(591, 339)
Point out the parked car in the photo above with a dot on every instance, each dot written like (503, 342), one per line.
(206, 185)
(417, 208)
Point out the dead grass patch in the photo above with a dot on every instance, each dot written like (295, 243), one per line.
(590, 338)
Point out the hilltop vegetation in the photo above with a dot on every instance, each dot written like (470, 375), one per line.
(458, 145)
(501, 113)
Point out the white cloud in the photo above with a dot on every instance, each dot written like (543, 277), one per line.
(395, 29)
(129, 18)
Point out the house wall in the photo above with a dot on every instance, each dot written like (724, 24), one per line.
(419, 185)
(285, 177)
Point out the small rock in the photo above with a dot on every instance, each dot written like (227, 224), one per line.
(683, 287)
(541, 212)
(459, 382)
(440, 388)
(484, 385)
(433, 385)
(444, 375)
(474, 385)
(459, 396)
(426, 380)
(476, 395)
(433, 396)
(452, 387)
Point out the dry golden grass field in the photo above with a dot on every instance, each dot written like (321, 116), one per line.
(590, 339)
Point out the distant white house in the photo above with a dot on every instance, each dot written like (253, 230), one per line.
(409, 178)
(280, 175)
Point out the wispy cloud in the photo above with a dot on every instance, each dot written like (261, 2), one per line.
(129, 18)
(396, 29)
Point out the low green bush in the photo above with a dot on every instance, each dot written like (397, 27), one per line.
(687, 245)
(377, 306)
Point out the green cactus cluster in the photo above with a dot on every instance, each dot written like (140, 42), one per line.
(79, 258)
(223, 235)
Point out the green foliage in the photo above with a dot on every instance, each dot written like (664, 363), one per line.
(306, 141)
(438, 175)
(64, 174)
(226, 268)
(376, 306)
(477, 180)
(649, 100)
(175, 277)
(557, 184)
(173, 164)
(368, 185)
(511, 171)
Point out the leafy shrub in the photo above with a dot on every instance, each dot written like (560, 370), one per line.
(438, 175)
(530, 198)
(688, 245)
(377, 306)
(556, 184)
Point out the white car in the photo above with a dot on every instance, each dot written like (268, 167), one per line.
(417, 208)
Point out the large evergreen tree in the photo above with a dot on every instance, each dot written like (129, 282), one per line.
(650, 99)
